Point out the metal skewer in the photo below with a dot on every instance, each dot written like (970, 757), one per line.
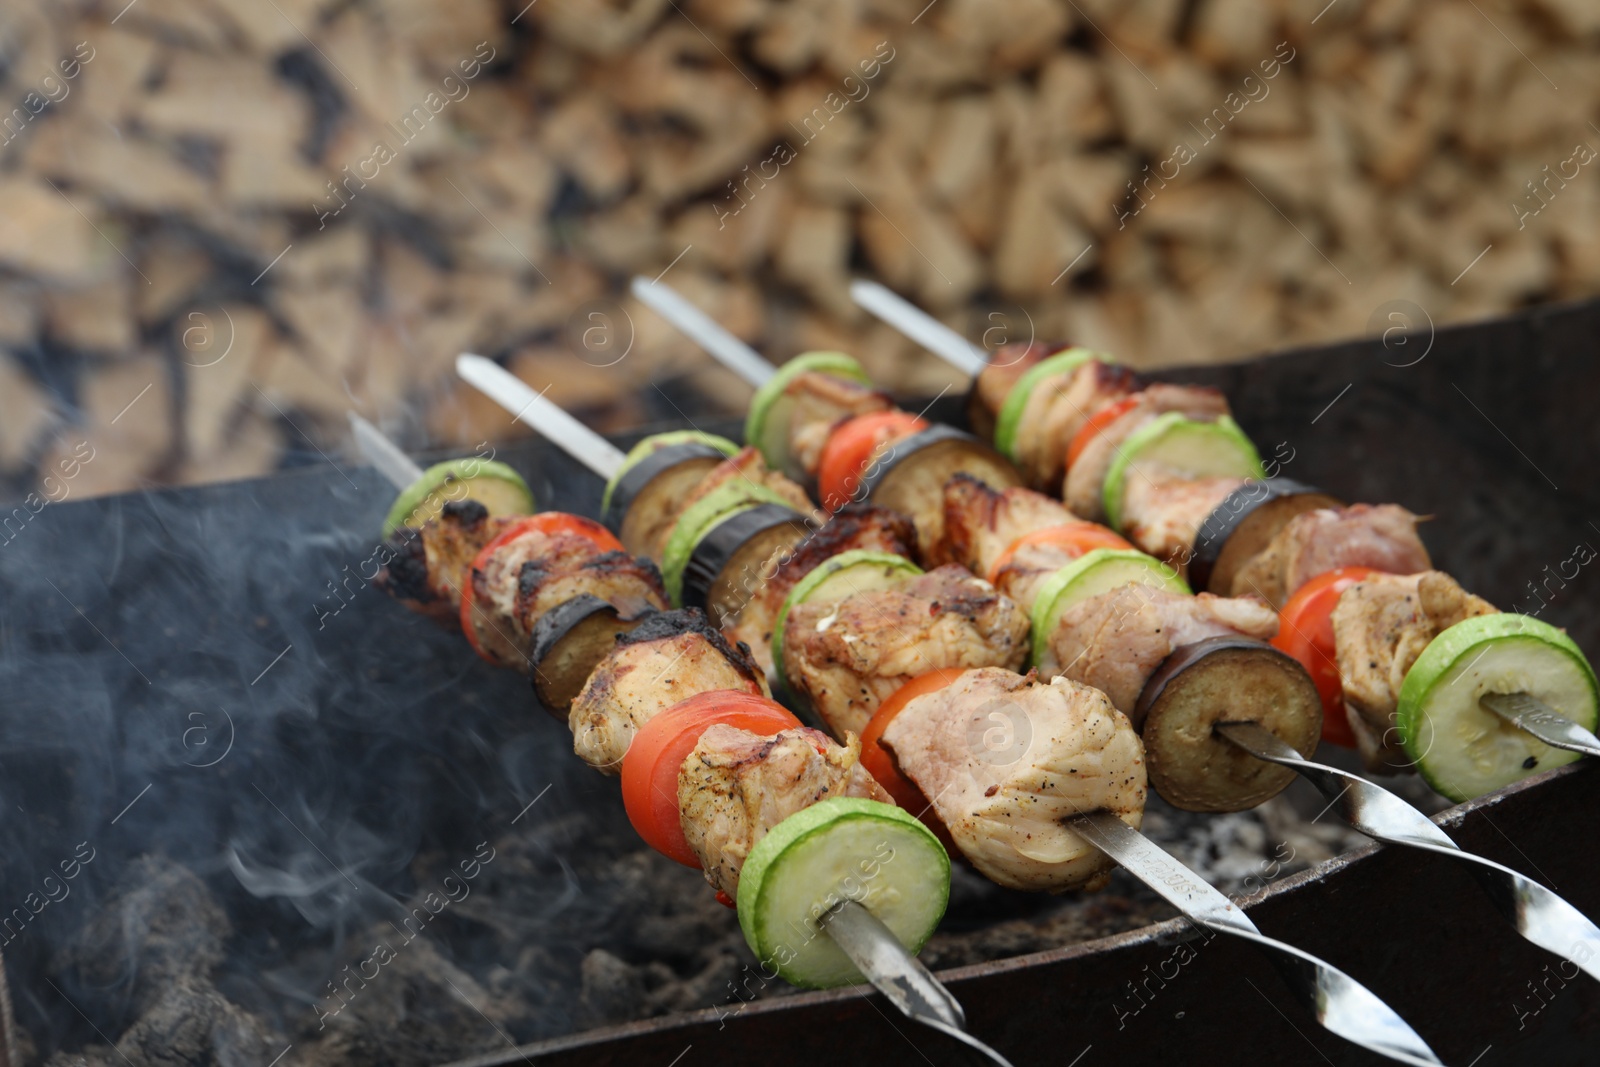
(384, 454)
(871, 946)
(1537, 913)
(1534, 716)
(546, 416)
(1340, 1003)
(703, 330)
(921, 327)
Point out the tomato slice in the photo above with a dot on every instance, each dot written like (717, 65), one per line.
(549, 522)
(851, 448)
(1097, 422)
(1305, 632)
(1075, 538)
(880, 764)
(650, 769)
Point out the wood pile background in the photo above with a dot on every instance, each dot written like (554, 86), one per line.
(185, 292)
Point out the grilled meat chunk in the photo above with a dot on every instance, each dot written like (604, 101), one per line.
(1058, 409)
(736, 785)
(1383, 537)
(429, 563)
(531, 559)
(849, 655)
(1116, 640)
(1162, 517)
(628, 583)
(821, 402)
(1380, 626)
(981, 522)
(1006, 758)
(669, 657)
(1081, 490)
(854, 526)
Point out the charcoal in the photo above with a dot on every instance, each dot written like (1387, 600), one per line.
(162, 926)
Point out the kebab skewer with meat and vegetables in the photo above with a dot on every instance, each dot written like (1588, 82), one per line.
(1088, 758)
(1273, 537)
(836, 882)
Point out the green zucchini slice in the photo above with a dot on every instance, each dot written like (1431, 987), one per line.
(767, 426)
(840, 849)
(494, 485)
(1091, 574)
(701, 516)
(1174, 444)
(857, 571)
(1009, 421)
(1464, 751)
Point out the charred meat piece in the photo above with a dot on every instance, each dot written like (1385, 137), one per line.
(1116, 640)
(1059, 408)
(854, 526)
(628, 583)
(1380, 626)
(1163, 517)
(737, 785)
(1383, 537)
(981, 522)
(1005, 759)
(821, 402)
(669, 657)
(429, 563)
(1081, 491)
(846, 657)
(748, 465)
(513, 574)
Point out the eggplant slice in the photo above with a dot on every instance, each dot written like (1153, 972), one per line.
(1243, 524)
(1221, 680)
(729, 563)
(910, 476)
(568, 644)
(650, 494)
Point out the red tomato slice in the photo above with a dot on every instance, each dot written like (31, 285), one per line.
(650, 769)
(1305, 632)
(550, 522)
(1097, 422)
(1075, 538)
(880, 764)
(851, 448)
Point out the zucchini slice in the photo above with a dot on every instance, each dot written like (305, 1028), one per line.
(1172, 444)
(767, 425)
(1009, 421)
(642, 497)
(725, 567)
(496, 486)
(1244, 523)
(1463, 751)
(843, 848)
(699, 517)
(568, 643)
(1091, 574)
(910, 476)
(1219, 680)
(858, 571)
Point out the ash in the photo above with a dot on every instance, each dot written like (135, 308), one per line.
(549, 939)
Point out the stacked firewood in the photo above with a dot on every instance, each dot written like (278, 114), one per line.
(225, 223)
